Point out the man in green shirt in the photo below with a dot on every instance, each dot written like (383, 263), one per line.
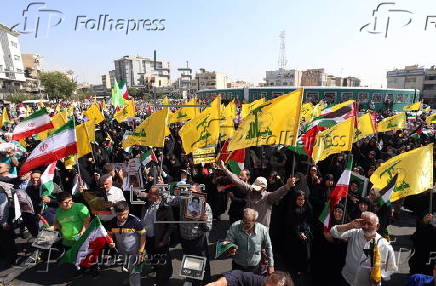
(72, 219)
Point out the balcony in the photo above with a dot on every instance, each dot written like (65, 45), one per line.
(430, 81)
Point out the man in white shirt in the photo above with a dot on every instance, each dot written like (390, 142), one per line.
(360, 233)
(113, 194)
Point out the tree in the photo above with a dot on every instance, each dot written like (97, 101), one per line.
(57, 85)
(134, 92)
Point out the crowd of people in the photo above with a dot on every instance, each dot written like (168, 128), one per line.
(273, 204)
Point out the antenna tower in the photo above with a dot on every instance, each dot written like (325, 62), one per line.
(282, 53)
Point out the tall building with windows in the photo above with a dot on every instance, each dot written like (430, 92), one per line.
(209, 80)
(415, 77)
(11, 65)
(141, 72)
(283, 77)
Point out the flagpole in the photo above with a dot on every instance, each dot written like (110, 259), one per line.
(78, 164)
(430, 208)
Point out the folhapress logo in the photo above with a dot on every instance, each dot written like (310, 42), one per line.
(38, 20)
(106, 23)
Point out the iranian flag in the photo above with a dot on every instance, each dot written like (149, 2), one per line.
(325, 216)
(60, 144)
(341, 188)
(148, 157)
(386, 192)
(234, 159)
(47, 184)
(85, 251)
(123, 89)
(34, 124)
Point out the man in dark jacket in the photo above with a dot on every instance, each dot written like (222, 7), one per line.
(158, 235)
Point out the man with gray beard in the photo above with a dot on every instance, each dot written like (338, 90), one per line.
(361, 234)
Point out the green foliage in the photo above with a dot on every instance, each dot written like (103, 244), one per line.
(134, 92)
(20, 97)
(57, 85)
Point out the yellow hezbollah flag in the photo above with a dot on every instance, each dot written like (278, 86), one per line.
(376, 266)
(85, 134)
(202, 130)
(4, 118)
(58, 120)
(413, 107)
(247, 108)
(94, 114)
(414, 169)
(431, 119)
(318, 108)
(428, 109)
(272, 123)
(185, 113)
(394, 122)
(365, 127)
(151, 131)
(228, 113)
(307, 112)
(334, 140)
(70, 161)
(127, 111)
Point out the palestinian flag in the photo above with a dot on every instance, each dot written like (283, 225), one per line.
(123, 88)
(148, 157)
(341, 189)
(34, 124)
(309, 139)
(325, 216)
(386, 192)
(47, 184)
(234, 159)
(60, 144)
(329, 118)
(85, 251)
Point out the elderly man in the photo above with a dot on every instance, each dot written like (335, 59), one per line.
(257, 196)
(250, 237)
(361, 234)
(102, 202)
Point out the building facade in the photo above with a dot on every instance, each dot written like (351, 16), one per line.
(411, 77)
(32, 70)
(429, 89)
(415, 77)
(314, 77)
(282, 77)
(11, 65)
(140, 72)
(209, 80)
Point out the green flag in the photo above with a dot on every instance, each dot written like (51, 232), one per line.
(117, 97)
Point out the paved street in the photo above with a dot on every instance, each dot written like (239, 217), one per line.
(62, 274)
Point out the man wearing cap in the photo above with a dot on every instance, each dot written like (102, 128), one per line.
(257, 196)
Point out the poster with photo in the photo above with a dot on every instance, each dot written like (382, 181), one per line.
(194, 206)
